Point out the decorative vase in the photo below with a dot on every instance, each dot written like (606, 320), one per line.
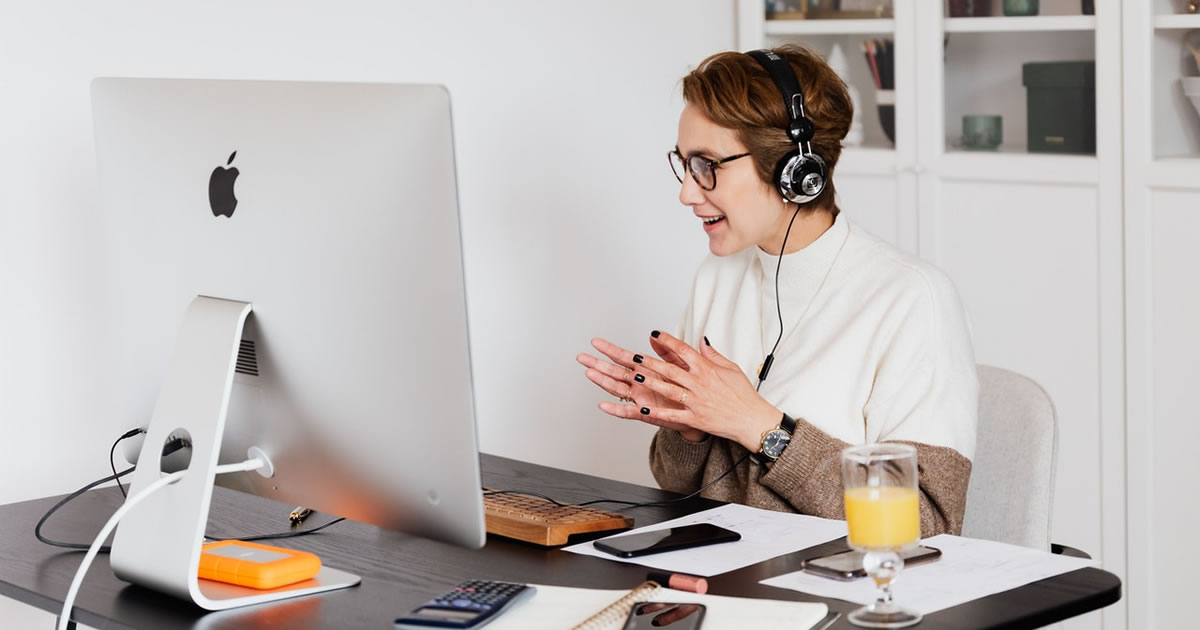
(1020, 7)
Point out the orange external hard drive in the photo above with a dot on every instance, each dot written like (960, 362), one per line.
(256, 566)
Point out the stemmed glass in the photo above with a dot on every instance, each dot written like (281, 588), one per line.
(880, 482)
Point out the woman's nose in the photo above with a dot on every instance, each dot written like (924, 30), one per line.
(690, 193)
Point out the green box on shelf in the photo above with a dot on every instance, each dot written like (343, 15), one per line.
(1060, 101)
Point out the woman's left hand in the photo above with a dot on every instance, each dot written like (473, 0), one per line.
(715, 394)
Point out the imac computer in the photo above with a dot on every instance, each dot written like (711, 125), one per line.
(283, 275)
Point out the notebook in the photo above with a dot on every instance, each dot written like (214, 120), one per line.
(563, 607)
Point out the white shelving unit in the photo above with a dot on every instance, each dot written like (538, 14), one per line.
(1033, 241)
(829, 27)
(1180, 21)
(1030, 24)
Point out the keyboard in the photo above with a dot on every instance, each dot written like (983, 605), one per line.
(541, 522)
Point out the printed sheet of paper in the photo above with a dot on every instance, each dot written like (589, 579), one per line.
(968, 569)
(765, 535)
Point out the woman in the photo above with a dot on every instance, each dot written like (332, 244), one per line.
(861, 342)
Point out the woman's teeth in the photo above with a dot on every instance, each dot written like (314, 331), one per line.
(712, 220)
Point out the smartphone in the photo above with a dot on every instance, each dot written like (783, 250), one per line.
(848, 565)
(670, 539)
(649, 615)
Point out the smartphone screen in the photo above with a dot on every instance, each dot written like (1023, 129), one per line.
(848, 565)
(669, 539)
(648, 615)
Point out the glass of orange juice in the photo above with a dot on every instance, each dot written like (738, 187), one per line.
(883, 516)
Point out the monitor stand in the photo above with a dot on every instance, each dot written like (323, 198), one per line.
(157, 544)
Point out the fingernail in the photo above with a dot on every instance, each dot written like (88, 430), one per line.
(654, 333)
(639, 378)
(706, 341)
(645, 411)
(637, 358)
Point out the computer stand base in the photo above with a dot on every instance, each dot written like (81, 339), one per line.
(157, 545)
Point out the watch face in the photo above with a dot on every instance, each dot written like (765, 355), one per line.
(774, 442)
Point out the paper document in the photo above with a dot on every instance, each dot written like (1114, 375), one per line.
(765, 535)
(561, 607)
(968, 569)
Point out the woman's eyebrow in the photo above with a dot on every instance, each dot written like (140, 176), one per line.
(697, 151)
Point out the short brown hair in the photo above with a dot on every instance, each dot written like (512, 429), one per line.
(736, 92)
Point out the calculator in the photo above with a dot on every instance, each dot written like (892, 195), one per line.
(469, 605)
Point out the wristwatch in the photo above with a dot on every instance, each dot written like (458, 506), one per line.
(775, 440)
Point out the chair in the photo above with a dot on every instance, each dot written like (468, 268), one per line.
(1012, 475)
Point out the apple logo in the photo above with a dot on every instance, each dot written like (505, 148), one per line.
(220, 189)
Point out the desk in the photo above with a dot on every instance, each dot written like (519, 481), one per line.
(399, 571)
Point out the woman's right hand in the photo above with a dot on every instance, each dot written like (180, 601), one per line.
(618, 379)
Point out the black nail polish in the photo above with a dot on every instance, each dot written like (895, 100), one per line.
(654, 333)
(637, 358)
(645, 411)
(706, 341)
(639, 378)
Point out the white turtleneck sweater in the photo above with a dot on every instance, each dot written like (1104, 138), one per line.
(875, 348)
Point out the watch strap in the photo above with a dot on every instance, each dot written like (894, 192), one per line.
(788, 423)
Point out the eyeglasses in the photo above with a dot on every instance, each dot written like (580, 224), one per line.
(703, 170)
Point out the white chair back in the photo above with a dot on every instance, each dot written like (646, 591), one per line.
(1012, 476)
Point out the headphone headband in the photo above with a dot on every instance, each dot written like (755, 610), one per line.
(799, 128)
(800, 175)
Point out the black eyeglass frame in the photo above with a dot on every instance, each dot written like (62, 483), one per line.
(710, 163)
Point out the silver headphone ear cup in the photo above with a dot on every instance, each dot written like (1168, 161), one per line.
(801, 178)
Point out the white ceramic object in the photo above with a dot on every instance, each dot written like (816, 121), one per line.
(841, 65)
(1191, 89)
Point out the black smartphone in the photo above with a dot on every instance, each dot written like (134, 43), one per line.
(649, 615)
(670, 539)
(848, 565)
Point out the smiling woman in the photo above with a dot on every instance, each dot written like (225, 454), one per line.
(862, 341)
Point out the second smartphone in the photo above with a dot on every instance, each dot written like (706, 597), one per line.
(650, 615)
(848, 565)
(670, 539)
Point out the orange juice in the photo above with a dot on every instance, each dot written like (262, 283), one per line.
(883, 518)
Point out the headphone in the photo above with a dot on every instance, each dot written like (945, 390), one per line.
(800, 175)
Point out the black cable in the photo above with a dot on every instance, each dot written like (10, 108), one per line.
(37, 529)
(629, 505)
(112, 463)
(281, 534)
(489, 493)
(766, 366)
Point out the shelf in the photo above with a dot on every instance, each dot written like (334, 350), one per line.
(1020, 24)
(1020, 167)
(1174, 172)
(829, 27)
(1178, 21)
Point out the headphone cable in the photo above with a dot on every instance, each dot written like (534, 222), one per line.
(766, 365)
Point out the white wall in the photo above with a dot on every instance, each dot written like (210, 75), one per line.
(563, 112)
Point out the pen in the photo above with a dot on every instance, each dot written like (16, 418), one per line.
(679, 581)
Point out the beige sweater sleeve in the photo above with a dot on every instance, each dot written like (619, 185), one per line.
(807, 478)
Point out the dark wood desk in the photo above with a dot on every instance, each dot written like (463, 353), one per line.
(399, 571)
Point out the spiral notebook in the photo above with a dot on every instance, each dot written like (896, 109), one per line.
(563, 608)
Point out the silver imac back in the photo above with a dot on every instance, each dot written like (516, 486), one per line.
(332, 210)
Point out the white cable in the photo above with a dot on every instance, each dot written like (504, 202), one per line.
(254, 463)
(64, 618)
